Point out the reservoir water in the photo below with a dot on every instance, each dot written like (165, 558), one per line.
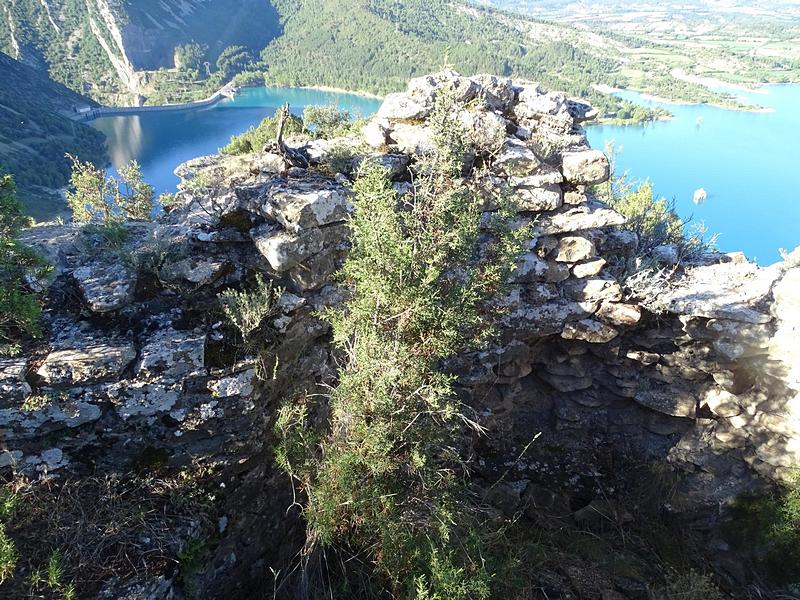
(747, 162)
(160, 141)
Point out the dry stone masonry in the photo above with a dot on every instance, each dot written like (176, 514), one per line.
(706, 376)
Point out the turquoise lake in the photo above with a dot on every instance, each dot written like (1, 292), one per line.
(747, 162)
(160, 141)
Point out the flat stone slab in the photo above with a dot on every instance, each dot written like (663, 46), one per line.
(105, 287)
(730, 290)
(171, 355)
(592, 215)
(307, 205)
(88, 364)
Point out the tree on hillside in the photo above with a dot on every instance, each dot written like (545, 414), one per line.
(190, 57)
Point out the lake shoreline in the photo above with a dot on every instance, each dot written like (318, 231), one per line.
(335, 90)
(607, 89)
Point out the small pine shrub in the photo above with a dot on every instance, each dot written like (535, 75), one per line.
(247, 309)
(386, 475)
(340, 159)
(8, 555)
(95, 197)
(20, 306)
(8, 551)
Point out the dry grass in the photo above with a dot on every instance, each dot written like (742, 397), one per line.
(103, 527)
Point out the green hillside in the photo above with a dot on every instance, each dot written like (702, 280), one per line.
(36, 133)
(114, 51)
(376, 45)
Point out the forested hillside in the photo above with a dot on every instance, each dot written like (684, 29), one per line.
(113, 51)
(168, 51)
(36, 133)
(376, 45)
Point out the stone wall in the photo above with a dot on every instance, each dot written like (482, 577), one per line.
(138, 361)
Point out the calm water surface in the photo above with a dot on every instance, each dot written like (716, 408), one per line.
(748, 163)
(160, 141)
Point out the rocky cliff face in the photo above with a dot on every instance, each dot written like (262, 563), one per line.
(139, 361)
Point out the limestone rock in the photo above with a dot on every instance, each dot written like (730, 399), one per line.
(485, 130)
(105, 287)
(314, 272)
(546, 319)
(427, 87)
(498, 93)
(412, 139)
(517, 159)
(722, 403)
(87, 364)
(724, 291)
(142, 399)
(592, 215)
(621, 314)
(532, 101)
(587, 167)
(670, 400)
(581, 110)
(589, 330)
(13, 386)
(666, 254)
(285, 250)
(588, 268)
(401, 106)
(546, 197)
(238, 384)
(171, 355)
(532, 268)
(572, 249)
(306, 206)
(376, 133)
(195, 270)
(594, 289)
(544, 175)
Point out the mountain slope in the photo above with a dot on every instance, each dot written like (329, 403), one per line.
(376, 45)
(104, 47)
(36, 133)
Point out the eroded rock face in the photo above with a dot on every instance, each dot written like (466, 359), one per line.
(144, 360)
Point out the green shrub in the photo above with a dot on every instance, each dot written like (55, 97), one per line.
(20, 307)
(687, 586)
(94, 197)
(387, 474)
(327, 121)
(247, 309)
(255, 138)
(8, 555)
(8, 551)
(340, 159)
(767, 530)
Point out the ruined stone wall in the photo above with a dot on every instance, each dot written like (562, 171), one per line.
(139, 364)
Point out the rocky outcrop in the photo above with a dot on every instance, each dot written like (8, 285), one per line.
(139, 357)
